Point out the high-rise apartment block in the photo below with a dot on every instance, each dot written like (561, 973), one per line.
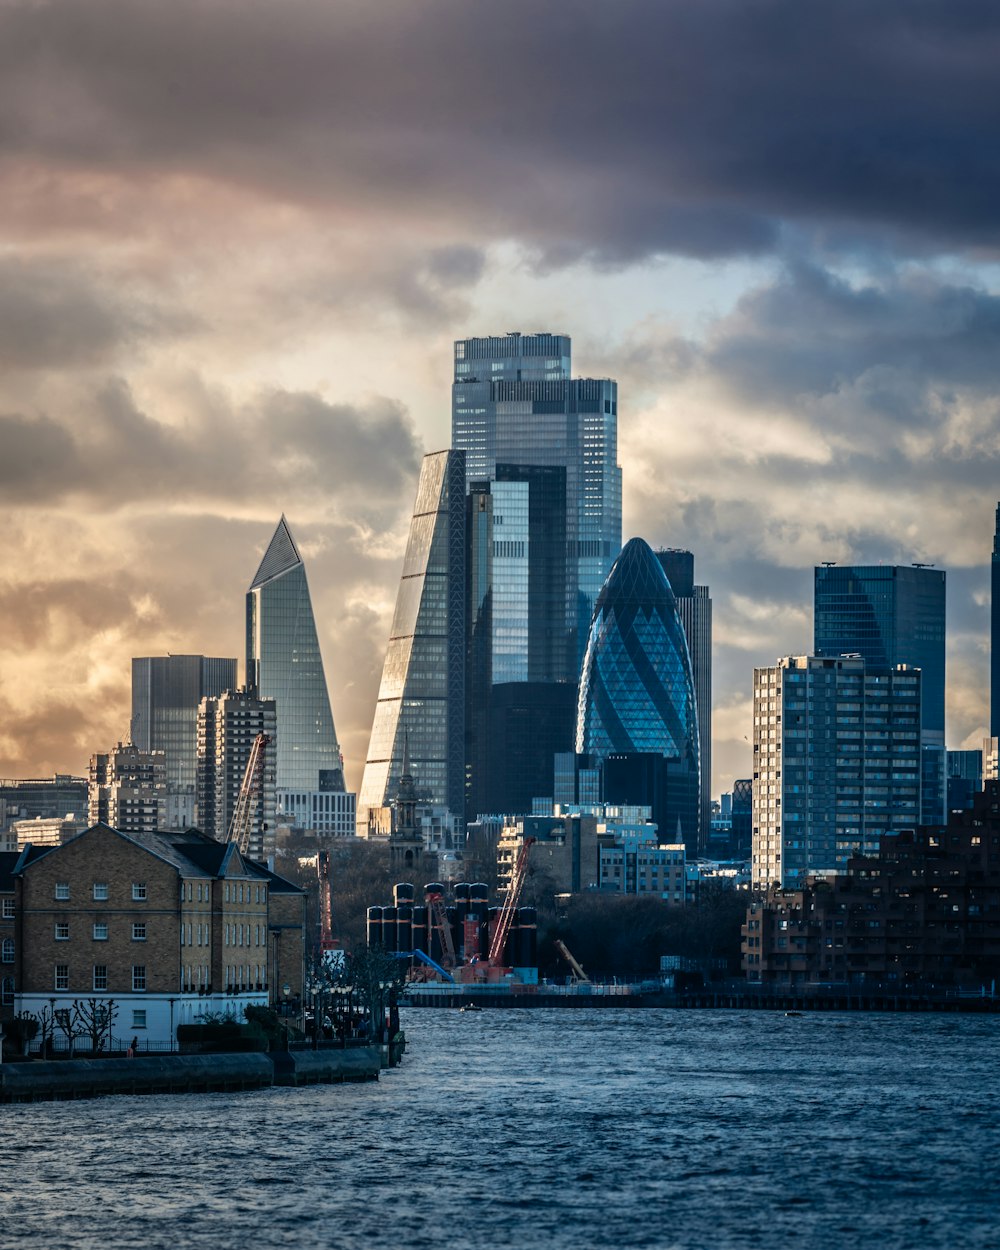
(166, 692)
(421, 701)
(127, 789)
(891, 615)
(694, 607)
(227, 728)
(836, 752)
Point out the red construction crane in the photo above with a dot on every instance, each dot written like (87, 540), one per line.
(509, 906)
(250, 792)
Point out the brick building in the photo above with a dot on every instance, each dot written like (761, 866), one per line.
(168, 925)
(924, 912)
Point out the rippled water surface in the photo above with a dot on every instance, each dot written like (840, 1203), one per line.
(548, 1129)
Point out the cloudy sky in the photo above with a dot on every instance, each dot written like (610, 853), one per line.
(237, 239)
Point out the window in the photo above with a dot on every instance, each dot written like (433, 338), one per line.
(7, 952)
(138, 891)
(62, 890)
(139, 932)
(100, 976)
(100, 931)
(100, 891)
(7, 992)
(62, 930)
(61, 979)
(138, 1019)
(138, 978)
(8, 909)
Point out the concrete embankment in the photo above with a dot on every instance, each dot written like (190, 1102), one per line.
(40, 1080)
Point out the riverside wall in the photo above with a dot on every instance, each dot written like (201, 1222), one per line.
(45, 1080)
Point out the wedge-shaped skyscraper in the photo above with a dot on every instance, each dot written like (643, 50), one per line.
(284, 663)
(421, 699)
(637, 694)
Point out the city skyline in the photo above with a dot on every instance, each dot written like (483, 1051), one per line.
(208, 320)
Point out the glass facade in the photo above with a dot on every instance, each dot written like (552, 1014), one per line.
(514, 402)
(891, 615)
(637, 688)
(521, 648)
(166, 692)
(284, 663)
(694, 606)
(421, 701)
(837, 755)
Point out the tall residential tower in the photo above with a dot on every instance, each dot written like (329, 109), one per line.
(891, 615)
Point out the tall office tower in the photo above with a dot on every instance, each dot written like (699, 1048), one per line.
(421, 700)
(521, 658)
(127, 789)
(893, 615)
(637, 689)
(284, 663)
(228, 724)
(995, 633)
(514, 402)
(694, 606)
(166, 692)
(836, 756)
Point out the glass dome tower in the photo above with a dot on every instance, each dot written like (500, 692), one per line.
(637, 693)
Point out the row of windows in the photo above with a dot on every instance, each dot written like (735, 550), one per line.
(100, 891)
(100, 931)
(60, 977)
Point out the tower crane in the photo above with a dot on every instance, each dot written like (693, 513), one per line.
(509, 906)
(250, 791)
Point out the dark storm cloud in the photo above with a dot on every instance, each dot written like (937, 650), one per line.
(110, 452)
(581, 129)
(54, 314)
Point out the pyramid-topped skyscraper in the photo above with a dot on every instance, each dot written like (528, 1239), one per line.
(284, 663)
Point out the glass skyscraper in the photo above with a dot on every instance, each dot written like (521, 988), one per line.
(421, 701)
(694, 607)
(637, 694)
(284, 663)
(166, 692)
(514, 402)
(891, 615)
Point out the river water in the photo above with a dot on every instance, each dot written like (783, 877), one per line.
(548, 1129)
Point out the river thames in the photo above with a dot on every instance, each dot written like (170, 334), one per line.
(548, 1129)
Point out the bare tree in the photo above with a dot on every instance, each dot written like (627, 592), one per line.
(95, 1018)
(67, 1021)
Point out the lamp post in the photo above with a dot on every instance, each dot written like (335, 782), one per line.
(171, 1002)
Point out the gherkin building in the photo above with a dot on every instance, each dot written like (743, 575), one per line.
(637, 696)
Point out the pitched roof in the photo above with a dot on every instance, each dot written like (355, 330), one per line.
(280, 556)
(7, 861)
